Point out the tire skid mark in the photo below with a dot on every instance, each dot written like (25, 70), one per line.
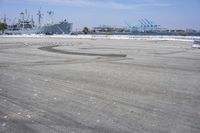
(51, 49)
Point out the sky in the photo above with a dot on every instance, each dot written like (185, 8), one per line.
(173, 14)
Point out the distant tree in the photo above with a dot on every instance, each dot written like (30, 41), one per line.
(85, 30)
(109, 33)
(3, 26)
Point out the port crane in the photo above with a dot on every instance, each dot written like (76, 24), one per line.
(143, 26)
(131, 28)
(152, 25)
(147, 25)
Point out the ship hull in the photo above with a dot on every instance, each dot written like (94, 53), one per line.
(62, 28)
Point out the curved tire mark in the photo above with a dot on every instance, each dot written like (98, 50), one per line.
(51, 49)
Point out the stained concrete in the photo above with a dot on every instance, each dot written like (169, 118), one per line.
(57, 85)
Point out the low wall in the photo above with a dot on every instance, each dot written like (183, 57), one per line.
(122, 37)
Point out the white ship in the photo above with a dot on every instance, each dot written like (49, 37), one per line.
(27, 26)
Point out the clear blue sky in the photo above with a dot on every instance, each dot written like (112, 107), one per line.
(168, 13)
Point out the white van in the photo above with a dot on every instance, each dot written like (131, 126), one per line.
(196, 44)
